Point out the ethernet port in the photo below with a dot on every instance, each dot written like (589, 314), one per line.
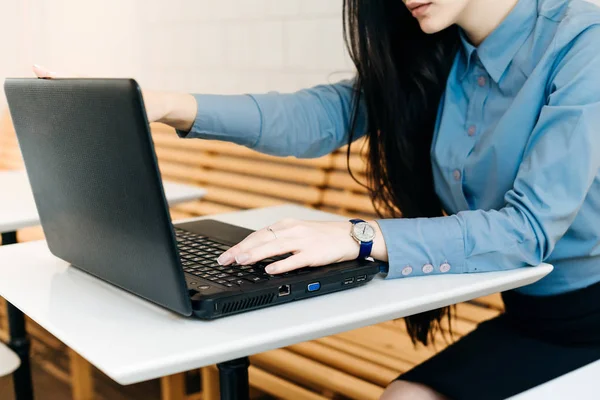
(284, 290)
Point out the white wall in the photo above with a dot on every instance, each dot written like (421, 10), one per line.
(212, 46)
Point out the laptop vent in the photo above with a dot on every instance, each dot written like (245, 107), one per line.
(246, 304)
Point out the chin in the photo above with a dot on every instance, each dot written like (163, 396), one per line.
(431, 26)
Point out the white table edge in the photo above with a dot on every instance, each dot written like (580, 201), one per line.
(131, 374)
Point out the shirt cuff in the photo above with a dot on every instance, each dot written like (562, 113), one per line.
(423, 246)
(232, 118)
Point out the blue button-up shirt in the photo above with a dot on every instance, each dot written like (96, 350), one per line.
(515, 153)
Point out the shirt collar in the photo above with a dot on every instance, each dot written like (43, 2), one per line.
(500, 47)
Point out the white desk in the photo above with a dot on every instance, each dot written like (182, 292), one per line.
(8, 360)
(17, 211)
(581, 384)
(17, 207)
(132, 340)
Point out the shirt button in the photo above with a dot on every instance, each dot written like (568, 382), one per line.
(407, 270)
(445, 267)
(427, 268)
(472, 130)
(457, 175)
(481, 81)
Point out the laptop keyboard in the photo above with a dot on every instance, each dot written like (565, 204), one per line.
(199, 258)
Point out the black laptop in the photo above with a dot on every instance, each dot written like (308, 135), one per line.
(91, 164)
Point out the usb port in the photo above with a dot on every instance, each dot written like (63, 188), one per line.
(348, 281)
(361, 278)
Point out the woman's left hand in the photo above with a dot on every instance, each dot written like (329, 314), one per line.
(311, 244)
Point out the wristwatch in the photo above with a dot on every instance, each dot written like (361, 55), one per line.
(364, 234)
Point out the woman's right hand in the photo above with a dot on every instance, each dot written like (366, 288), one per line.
(175, 109)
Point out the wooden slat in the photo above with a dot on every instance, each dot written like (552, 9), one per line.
(172, 387)
(171, 140)
(203, 208)
(233, 198)
(82, 383)
(279, 387)
(280, 190)
(357, 164)
(210, 383)
(492, 301)
(358, 350)
(279, 171)
(343, 180)
(347, 200)
(384, 340)
(475, 313)
(361, 368)
(30, 234)
(177, 215)
(288, 364)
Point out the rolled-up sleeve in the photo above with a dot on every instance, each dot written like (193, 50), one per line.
(560, 163)
(308, 123)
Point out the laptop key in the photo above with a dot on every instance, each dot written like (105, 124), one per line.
(255, 279)
(221, 275)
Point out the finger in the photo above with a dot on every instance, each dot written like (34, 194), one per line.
(291, 263)
(253, 240)
(43, 72)
(267, 250)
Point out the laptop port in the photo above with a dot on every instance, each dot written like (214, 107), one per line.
(361, 278)
(313, 287)
(284, 290)
(348, 281)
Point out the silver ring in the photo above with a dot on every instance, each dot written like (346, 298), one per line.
(273, 232)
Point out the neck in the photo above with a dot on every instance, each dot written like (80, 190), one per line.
(481, 17)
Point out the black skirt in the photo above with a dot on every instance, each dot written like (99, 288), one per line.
(536, 340)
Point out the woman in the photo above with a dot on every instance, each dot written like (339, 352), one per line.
(489, 110)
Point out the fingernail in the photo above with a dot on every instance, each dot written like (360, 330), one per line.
(242, 258)
(271, 269)
(37, 66)
(225, 259)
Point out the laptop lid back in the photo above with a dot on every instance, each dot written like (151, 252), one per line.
(91, 164)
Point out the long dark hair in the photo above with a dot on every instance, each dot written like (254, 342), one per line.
(401, 75)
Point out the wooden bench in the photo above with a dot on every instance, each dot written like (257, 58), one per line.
(356, 364)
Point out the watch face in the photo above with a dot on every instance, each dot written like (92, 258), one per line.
(363, 232)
